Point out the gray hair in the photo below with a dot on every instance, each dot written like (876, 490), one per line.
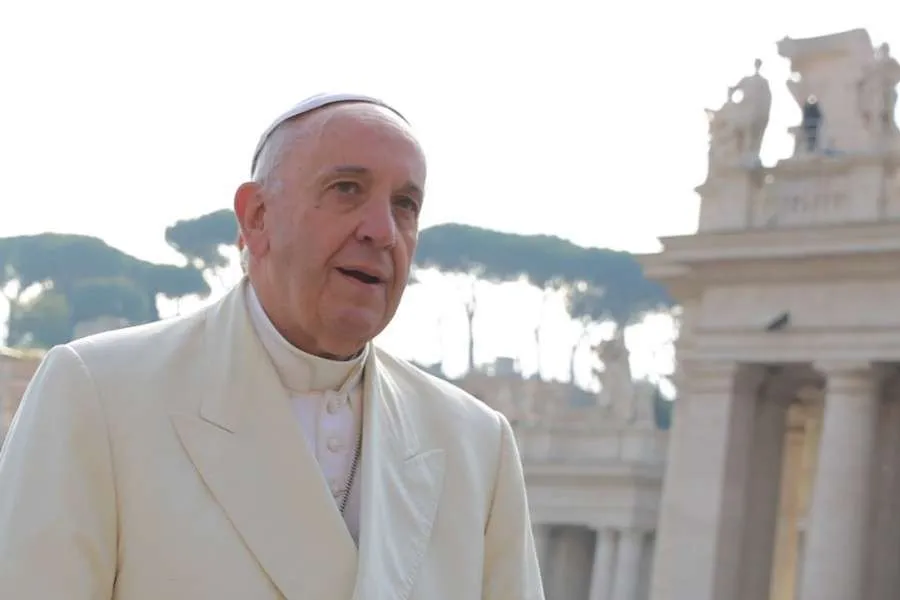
(270, 150)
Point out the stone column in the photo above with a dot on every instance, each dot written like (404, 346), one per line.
(701, 520)
(784, 558)
(836, 536)
(761, 515)
(602, 572)
(563, 564)
(628, 565)
(571, 571)
(884, 575)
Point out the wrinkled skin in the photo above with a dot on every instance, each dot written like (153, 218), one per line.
(340, 206)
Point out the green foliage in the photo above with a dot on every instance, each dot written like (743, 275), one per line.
(82, 278)
(200, 240)
(584, 302)
(43, 322)
(612, 284)
(112, 297)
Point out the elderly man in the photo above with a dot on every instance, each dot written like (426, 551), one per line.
(263, 448)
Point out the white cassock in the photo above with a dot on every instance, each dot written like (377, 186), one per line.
(187, 459)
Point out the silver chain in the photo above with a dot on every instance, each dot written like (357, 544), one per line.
(354, 467)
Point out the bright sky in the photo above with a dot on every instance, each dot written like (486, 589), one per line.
(574, 118)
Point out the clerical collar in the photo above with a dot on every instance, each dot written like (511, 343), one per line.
(302, 372)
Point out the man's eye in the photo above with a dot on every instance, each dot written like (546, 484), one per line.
(408, 203)
(347, 187)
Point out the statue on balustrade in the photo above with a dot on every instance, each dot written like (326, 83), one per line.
(624, 401)
(877, 93)
(736, 130)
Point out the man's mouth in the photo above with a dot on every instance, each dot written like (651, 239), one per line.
(361, 276)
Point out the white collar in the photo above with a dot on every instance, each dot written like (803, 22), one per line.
(302, 372)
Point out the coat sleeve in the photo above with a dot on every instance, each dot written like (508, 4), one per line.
(58, 523)
(511, 570)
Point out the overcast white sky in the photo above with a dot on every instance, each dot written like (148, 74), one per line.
(574, 118)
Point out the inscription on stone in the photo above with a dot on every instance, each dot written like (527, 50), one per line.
(786, 205)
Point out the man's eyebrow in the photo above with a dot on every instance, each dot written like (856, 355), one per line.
(350, 170)
(409, 186)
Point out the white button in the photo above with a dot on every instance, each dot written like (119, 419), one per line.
(334, 404)
(334, 444)
(337, 488)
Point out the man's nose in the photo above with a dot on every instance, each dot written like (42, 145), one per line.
(378, 225)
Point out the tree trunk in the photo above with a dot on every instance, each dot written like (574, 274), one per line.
(584, 334)
(471, 306)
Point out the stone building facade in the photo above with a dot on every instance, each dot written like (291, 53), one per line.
(783, 473)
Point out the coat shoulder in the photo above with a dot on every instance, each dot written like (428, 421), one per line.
(439, 400)
(142, 354)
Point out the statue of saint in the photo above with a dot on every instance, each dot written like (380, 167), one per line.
(737, 128)
(877, 93)
(617, 393)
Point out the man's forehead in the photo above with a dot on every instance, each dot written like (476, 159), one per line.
(312, 104)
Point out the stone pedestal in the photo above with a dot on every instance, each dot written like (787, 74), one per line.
(838, 523)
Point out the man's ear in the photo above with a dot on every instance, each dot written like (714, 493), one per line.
(250, 209)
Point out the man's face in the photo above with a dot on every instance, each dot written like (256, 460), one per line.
(333, 233)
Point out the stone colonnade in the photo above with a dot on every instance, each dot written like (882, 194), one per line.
(719, 528)
(578, 563)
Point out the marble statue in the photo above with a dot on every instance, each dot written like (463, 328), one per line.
(877, 93)
(736, 130)
(619, 395)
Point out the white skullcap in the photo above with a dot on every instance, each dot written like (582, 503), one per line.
(311, 104)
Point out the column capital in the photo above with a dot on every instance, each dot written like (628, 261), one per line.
(850, 376)
(844, 368)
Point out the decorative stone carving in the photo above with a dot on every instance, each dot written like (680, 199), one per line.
(853, 85)
(736, 130)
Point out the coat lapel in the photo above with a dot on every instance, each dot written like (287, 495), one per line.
(401, 488)
(250, 452)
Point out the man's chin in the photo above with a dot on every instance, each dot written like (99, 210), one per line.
(358, 324)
